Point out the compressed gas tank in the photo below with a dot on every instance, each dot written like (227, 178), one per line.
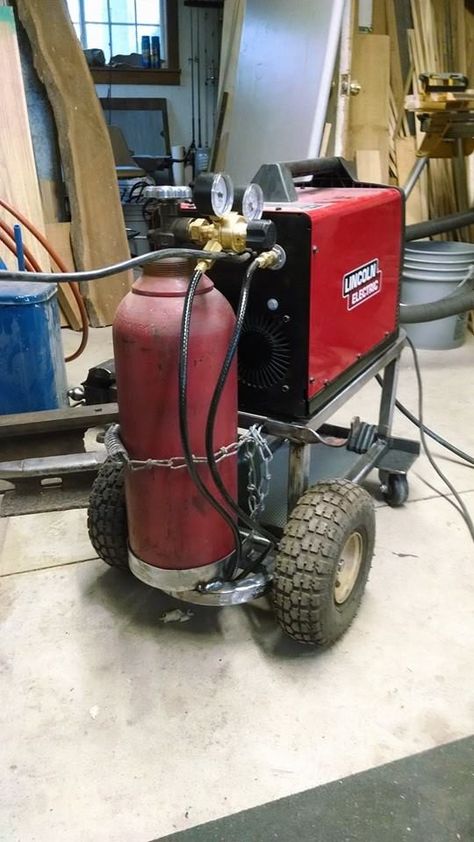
(170, 524)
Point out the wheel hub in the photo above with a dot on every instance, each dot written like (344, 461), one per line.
(348, 567)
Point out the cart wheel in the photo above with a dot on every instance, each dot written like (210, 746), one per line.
(395, 489)
(107, 516)
(323, 562)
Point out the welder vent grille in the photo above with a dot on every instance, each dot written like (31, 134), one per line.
(264, 352)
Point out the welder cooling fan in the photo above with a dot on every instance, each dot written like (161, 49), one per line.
(264, 352)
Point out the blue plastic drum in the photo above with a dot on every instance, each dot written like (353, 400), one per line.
(32, 369)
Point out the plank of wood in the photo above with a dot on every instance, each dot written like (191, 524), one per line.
(51, 200)
(18, 179)
(416, 208)
(369, 166)
(370, 110)
(233, 20)
(97, 226)
(396, 79)
(59, 236)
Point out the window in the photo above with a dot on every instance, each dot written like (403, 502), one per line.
(117, 26)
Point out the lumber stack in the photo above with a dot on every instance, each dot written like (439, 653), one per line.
(425, 36)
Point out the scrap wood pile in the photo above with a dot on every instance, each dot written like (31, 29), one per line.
(440, 39)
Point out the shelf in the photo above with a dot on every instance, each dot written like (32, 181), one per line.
(134, 76)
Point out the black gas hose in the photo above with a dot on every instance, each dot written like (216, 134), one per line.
(214, 405)
(106, 271)
(183, 417)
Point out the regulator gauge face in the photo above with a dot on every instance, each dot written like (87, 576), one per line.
(222, 194)
(252, 202)
(213, 194)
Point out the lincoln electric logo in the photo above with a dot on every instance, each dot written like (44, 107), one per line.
(362, 283)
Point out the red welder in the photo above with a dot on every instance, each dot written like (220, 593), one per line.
(306, 289)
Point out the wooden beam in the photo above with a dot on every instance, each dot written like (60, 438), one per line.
(97, 227)
(370, 111)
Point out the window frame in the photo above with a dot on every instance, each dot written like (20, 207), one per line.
(169, 75)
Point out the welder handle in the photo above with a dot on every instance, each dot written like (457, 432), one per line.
(332, 171)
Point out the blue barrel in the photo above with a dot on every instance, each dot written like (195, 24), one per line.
(32, 369)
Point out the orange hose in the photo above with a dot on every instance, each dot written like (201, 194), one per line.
(62, 268)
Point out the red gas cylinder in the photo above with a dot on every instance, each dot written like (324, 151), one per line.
(170, 524)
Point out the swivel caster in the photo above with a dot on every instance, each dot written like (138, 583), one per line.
(395, 489)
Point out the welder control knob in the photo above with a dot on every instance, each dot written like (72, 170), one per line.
(261, 235)
(167, 192)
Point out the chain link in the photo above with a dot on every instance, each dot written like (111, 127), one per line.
(253, 444)
(176, 463)
(256, 445)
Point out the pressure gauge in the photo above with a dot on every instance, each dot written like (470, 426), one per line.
(249, 201)
(213, 193)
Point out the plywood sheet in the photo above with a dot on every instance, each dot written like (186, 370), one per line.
(18, 179)
(284, 75)
(97, 226)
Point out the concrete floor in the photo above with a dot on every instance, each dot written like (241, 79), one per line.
(116, 726)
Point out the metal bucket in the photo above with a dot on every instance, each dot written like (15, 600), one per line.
(433, 270)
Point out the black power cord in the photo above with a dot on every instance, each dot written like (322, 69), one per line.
(183, 417)
(429, 432)
(461, 507)
(214, 405)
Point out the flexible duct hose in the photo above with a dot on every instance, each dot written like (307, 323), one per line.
(452, 305)
(439, 226)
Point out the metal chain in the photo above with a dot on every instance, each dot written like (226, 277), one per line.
(176, 463)
(255, 444)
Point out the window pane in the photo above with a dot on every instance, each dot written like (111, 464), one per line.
(98, 38)
(124, 40)
(147, 30)
(148, 11)
(122, 11)
(96, 10)
(73, 6)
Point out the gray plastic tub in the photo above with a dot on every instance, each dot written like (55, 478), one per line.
(433, 270)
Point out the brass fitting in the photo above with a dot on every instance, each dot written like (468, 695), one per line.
(211, 245)
(230, 231)
(275, 258)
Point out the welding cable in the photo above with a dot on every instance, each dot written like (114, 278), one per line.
(461, 507)
(429, 432)
(107, 271)
(214, 405)
(62, 268)
(183, 416)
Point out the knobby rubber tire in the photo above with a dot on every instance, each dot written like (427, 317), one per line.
(107, 515)
(306, 565)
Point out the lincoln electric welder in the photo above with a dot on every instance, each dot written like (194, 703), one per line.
(262, 311)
